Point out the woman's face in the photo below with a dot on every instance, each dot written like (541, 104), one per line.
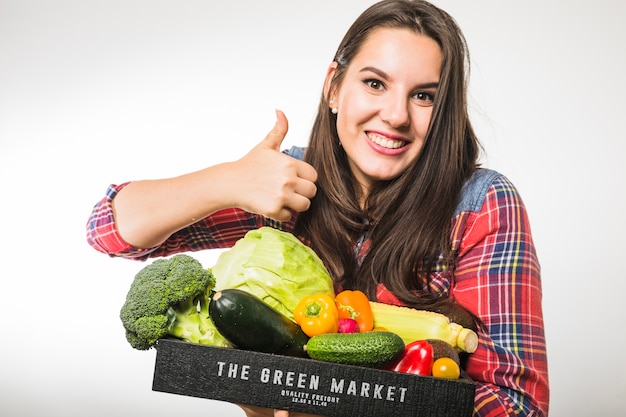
(385, 102)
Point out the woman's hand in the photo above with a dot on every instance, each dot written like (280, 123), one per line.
(252, 411)
(271, 183)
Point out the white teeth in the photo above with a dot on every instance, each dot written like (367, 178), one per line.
(384, 142)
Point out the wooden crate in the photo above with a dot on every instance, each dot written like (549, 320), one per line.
(304, 385)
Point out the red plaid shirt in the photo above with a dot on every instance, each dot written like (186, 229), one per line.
(496, 276)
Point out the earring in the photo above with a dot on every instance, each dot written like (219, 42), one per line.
(333, 110)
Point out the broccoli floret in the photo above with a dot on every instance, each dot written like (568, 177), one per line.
(170, 297)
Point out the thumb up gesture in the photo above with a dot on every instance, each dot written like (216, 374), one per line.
(271, 183)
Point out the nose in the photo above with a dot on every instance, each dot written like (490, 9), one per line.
(395, 111)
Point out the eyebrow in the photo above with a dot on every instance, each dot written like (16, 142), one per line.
(384, 75)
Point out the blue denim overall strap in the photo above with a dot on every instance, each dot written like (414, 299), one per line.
(475, 189)
(296, 151)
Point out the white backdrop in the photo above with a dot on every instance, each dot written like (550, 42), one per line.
(98, 92)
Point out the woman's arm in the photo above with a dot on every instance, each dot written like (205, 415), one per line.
(265, 182)
(498, 279)
(148, 212)
(144, 214)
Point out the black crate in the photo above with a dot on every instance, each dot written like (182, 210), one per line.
(304, 385)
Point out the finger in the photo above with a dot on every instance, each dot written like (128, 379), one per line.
(306, 171)
(298, 203)
(281, 413)
(282, 215)
(274, 139)
(305, 188)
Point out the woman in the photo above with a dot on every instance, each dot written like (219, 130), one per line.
(388, 193)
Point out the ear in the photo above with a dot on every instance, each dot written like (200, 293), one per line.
(330, 74)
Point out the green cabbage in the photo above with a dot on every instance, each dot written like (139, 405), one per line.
(275, 266)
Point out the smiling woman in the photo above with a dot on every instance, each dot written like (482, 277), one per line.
(384, 103)
(388, 192)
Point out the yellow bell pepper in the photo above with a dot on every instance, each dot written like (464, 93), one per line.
(317, 314)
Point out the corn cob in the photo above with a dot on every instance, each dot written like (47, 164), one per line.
(411, 325)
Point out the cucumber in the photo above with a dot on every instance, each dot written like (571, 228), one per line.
(248, 323)
(367, 349)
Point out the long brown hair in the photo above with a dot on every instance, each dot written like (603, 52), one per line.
(407, 218)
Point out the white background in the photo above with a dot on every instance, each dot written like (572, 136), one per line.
(99, 92)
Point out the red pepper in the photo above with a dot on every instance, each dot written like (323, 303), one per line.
(417, 359)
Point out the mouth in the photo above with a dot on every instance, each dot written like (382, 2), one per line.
(386, 142)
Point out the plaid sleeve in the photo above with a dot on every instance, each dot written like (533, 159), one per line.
(498, 279)
(102, 234)
(220, 230)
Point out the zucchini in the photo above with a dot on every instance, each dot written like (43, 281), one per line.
(248, 323)
(368, 349)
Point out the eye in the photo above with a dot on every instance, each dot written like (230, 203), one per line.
(424, 97)
(374, 84)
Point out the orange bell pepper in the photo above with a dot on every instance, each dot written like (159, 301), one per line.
(317, 314)
(355, 305)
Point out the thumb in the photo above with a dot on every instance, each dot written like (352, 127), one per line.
(275, 138)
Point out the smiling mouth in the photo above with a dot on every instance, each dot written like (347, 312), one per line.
(386, 142)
